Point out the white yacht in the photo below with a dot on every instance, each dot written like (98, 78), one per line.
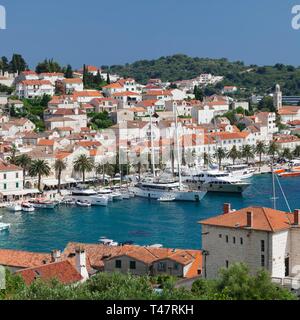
(112, 195)
(4, 226)
(214, 181)
(241, 171)
(91, 196)
(155, 189)
(15, 207)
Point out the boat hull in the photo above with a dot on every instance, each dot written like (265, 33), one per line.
(94, 200)
(224, 188)
(178, 195)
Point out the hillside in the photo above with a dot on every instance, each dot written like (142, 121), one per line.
(254, 79)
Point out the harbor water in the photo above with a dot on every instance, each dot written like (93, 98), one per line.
(172, 224)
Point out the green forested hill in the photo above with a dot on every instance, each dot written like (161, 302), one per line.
(254, 79)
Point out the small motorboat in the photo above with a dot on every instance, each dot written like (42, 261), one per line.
(15, 207)
(27, 207)
(43, 203)
(108, 242)
(167, 198)
(83, 203)
(4, 226)
(69, 202)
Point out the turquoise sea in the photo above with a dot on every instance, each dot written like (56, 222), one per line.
(143, 221)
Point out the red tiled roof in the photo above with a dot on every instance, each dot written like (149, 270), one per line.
(264, 219)
(63, 271)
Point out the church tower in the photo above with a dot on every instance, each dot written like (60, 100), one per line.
(277, 98)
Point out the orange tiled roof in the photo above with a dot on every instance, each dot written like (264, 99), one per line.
(63, 271)
(23, 259)
(264, 219)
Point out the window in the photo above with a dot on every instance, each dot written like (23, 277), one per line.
(118, 264)
(227, 263)
(162, 266)
(233, 240)
(262, 245)
(17, 175)
(227, 239)
(17, 185)
(262, 260)
(4, 176)
(242, 240)
(132, 265)
(176, 266)
(220, 236)
(5, 186)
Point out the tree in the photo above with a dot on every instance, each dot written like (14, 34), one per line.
(233, 154)
(59, 167)
(17, 64)
(273, 149)
(13, 154)
(39, 168)
(198, 92)
(286, 153)
(220, 154)
(48, 65)
(24, 161)
(100, 120)
(83, 164)
(247, 152)
(69, 72)
(108, 78)
(260, 149)
(296, 151)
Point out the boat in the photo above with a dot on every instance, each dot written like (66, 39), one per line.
(43, 203)
(214, 181)
(91, 196)
(241, 171)
(27, 207)
(108, 242)
(4, 226)
(156, 188)
(83, 203)
(15, 207)
(69, 202)
(112, 195)
(167, 198)
(289, 174)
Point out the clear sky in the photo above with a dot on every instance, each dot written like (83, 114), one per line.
(118, 31)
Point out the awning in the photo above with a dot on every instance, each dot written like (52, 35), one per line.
(50, 182)
(23, 192)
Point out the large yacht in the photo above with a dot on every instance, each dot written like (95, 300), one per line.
(91, 196)
(214, 181)
(241, 171)
(156, 189)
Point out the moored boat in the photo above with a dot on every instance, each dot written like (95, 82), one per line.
(43, 203)
(4, 226)
(91, 196)
(14, 207)
(83, 203)
(27, 207)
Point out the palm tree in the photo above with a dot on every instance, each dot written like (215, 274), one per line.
(83, 164)
(220, 154)
(233, 154)
(24, 162)
(286, 153)
(260, 149)
(273, 150)
(59, 167)
(247, 152)
(206, 159)
(296, 151)
(13, 154)
(39, 168)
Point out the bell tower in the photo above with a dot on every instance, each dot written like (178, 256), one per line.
(277, 97)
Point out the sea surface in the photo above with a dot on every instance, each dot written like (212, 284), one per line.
(173, 224)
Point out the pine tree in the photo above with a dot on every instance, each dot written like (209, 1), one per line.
(69, 72)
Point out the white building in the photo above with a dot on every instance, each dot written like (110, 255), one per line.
(34, 88)
(259, 237)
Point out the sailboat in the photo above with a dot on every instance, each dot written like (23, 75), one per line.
(160, 187)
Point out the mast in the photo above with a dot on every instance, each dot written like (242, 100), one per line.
(273, 185)
(150, 111)
(177, 147)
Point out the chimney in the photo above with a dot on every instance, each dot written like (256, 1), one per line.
(81, 262)
(226, 208)
(55, 255)
(250, 219)
(297, 217)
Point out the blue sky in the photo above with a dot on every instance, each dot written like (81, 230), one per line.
(115, 32)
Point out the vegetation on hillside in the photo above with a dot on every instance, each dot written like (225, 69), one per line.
(249, 79)
(234, 283)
